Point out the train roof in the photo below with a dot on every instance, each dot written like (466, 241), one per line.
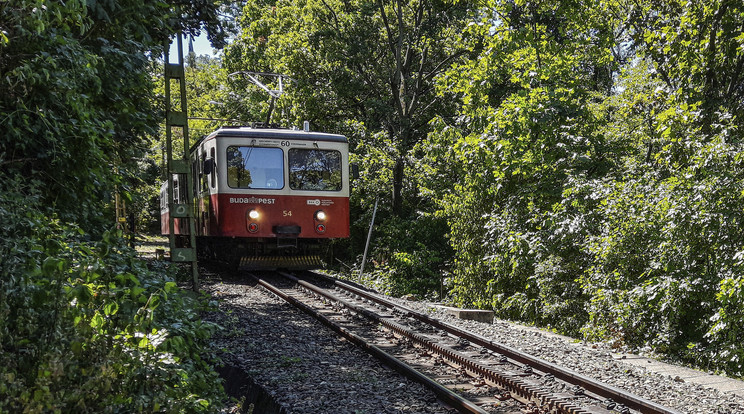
(250, 132)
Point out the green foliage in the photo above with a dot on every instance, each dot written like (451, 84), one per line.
(665, 260)
(696, 50)
(86, 327)
(214, 97)
(409, 274)
(525, 137)
(725, 349)
(659, 278)
(403, 264)
(76, 97)
(597, 173)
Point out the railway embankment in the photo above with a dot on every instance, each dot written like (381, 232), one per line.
(307, 369)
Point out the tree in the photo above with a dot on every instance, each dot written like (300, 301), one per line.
(524, 137)
(76, 101)
(84, 325)
(665, 278)
(598, 152)
(373, 62)
(696, 50)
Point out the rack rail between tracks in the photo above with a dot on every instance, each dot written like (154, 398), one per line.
(590, 384)
(446, 395)
(518, 389)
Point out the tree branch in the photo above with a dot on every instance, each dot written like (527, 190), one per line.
(395, 77)
(19, 160)
(710, 71)
(333, 13)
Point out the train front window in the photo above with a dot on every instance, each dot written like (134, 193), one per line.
(255, 167)
(314, 169)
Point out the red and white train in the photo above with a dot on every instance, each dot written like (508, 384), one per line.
(266, 198)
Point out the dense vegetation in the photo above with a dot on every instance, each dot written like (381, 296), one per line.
(576, 165)
(85, 326)
(605, 170)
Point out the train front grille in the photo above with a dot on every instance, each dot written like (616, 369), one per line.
(281, 262)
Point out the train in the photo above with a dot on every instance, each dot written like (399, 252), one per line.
(265, 198)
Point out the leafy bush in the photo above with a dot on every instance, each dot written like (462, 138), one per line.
(665, 263)
(86, 327)
(598, 196)
(407, 257)
(409, 274)
(725, 335)
(409, 249)
(517, 224)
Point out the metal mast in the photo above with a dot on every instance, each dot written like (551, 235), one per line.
(180, 205)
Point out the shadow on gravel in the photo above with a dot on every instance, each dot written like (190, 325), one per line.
(253, 397)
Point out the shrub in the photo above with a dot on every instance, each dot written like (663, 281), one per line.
(86, 327)
(726, 333)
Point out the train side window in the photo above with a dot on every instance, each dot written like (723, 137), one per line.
(195, 177)
(177, 189)
(255, 167)
(314, 169)
(202, 173)
(212, 172)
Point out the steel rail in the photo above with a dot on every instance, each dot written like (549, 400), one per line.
(454, 400)
(605, 390)
(519, 389)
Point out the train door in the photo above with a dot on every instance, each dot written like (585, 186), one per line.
(209, 189)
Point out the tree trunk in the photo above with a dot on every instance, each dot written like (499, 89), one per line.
(398, 171)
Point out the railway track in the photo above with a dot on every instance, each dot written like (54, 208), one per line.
(466, 371)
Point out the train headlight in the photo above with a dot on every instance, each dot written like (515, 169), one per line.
(320, 215)
(253, 214)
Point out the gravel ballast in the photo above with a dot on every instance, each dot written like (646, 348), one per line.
(305, 367)
(308, 369)
(596, 361)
